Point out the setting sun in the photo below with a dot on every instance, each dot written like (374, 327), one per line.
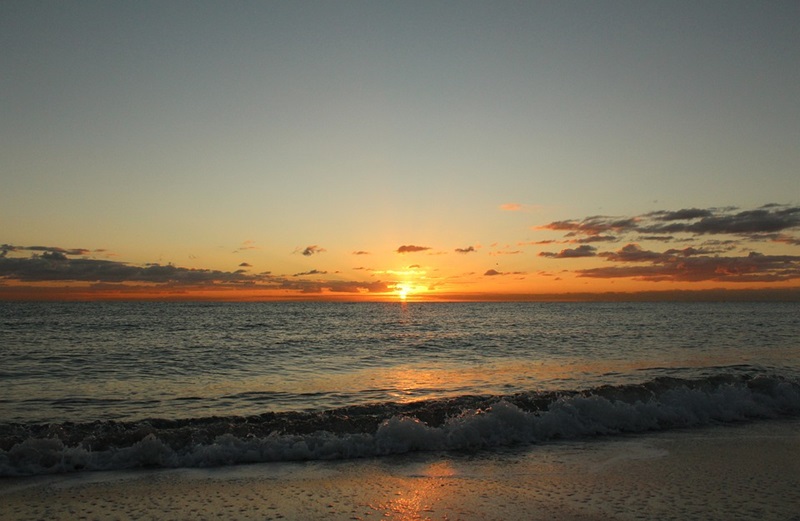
(402, 291)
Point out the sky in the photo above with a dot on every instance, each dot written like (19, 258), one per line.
(398, 150)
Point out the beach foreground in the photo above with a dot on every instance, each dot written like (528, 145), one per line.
(747, 471)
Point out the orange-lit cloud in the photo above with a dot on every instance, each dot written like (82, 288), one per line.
(707, 260)
(685, 249)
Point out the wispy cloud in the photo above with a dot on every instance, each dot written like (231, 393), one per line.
(663, 225)
(518, 207)
(7, 248)
(246, 245)
(310, 250)
(311, 272)
(411, 248)
(571, 253)
(468, 249)
(361, 252)
(495, 273)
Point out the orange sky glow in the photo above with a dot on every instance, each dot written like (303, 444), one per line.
(399, 151)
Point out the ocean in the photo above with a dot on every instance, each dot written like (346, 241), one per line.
(111, 385)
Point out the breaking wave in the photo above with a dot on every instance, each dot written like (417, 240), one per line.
(462, 423)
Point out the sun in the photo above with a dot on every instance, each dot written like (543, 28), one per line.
(403, 291)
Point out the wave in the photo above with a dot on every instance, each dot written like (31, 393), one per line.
(462, 423)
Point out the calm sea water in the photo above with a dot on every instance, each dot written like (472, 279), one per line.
(173, 383)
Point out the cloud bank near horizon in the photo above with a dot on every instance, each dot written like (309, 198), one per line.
(709, 260)
(725, 245)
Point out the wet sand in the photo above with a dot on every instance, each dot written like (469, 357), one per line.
(748, 471)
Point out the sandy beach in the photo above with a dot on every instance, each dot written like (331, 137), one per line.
(747, 471)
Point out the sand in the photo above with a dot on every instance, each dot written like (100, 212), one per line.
(748, 471)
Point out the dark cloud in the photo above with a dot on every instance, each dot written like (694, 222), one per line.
(311, 272)
(6, 248)
(469, 249)
(245, 265)
(73, 251)
(594, 225)
(680, 215)
(595, 238)
(762, 220)
(632, 253)
(410, 248)
(314, 287)
(494, 273)
(571, 253)
(55, 266)
(310, 250)
(661, 238)
(663, 225)
(361, 252)
(754, 267)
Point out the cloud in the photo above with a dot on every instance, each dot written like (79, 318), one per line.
(592, 225)
(680, 215)
(311, 272)
(361, 252)
(664, 225)
(661, 238)
(632, 253)
(468, 249)
(120, 277)
(6, 248)
(245, 265)
(247, 245)
(310, 250)
(337, 286)
(762, 220)
(517, 207)
(56, 266)
(505, 252)
(494, 273)
(410, 248)
(571, 253)
(754, 267)
(595, 238)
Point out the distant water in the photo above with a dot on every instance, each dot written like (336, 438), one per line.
(118, 385)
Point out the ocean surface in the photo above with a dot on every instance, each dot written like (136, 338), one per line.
(94, 386)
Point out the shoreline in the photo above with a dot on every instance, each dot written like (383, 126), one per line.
(741, 471)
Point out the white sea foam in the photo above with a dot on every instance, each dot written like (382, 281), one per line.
(577, 415)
